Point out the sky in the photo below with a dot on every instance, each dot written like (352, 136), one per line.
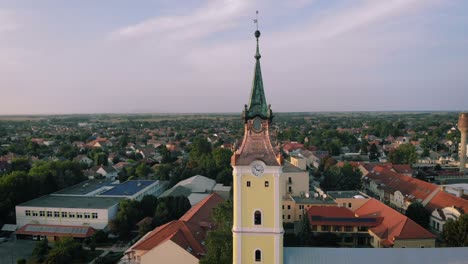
(165, 56)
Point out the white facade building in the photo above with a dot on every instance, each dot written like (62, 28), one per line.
(68, 211)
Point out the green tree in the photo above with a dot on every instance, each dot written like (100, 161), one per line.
(403, 154)
(455, 232)
(305, 235)
(373, 152)
(65, 250)
(342, 179)
(419, 214)
(20, 164)
(148, 205)
(142, 170)
(219, 240)
(40, 251)
(363, 147)
(100, 158)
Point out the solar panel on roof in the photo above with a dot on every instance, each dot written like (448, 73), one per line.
(57, 229)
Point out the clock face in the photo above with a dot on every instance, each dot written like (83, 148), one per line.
(257, 125)
(257, 169)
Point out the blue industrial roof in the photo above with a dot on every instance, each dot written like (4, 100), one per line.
(128, 188)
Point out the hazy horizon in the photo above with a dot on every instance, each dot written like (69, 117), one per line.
(60, 58)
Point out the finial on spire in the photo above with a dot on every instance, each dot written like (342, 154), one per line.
(257, 32)
(257, 35)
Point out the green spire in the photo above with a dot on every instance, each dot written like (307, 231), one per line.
(257, 104)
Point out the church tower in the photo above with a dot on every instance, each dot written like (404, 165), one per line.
(257, 224)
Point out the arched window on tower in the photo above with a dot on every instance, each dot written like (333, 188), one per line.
(258, 255)
(257, 218)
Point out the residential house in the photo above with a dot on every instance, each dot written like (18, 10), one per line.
(350, 230)
(397, 189)
(99, 143)
(444, 206)
(179, 241)
(84, 160)
(395, 230)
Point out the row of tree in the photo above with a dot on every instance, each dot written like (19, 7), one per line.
(42, 178)
(65, 250)
(162, 210)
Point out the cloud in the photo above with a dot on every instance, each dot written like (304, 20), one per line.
(215, 16)
(316, 55)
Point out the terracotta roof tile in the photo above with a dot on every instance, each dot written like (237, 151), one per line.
(412, 188)
(203, 211)
(332, 215)
(188, 232)
(443, 199)
(394, 225)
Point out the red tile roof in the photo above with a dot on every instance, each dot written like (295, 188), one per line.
(443, 199)
(394, 225)
(56, 230)
(289, 146)
(355, 164)
(202, 212)
(332, 215)
(402, 168)
(412, 188)
(188, 232)
(182, 233)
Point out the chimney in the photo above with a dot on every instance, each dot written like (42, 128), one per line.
(461, 192)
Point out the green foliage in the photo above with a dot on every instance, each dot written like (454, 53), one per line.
(219, 240)
(305, 235)
(170, 208)
(162, 210)
(199, 147)
(148, 205)
(64, 250)
(40, 251)
(126, 218)
(142, 170)
(100, 237)
(419, 214)
(403, 154)
(100, 158)
(455, 232)
(21, 261)
(214, 164)
(67, 151)
(43, 178)
(20, 164)
(373, 152)
(341, 179)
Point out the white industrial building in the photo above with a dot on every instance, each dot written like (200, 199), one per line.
(90, 204)
(68, 211)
